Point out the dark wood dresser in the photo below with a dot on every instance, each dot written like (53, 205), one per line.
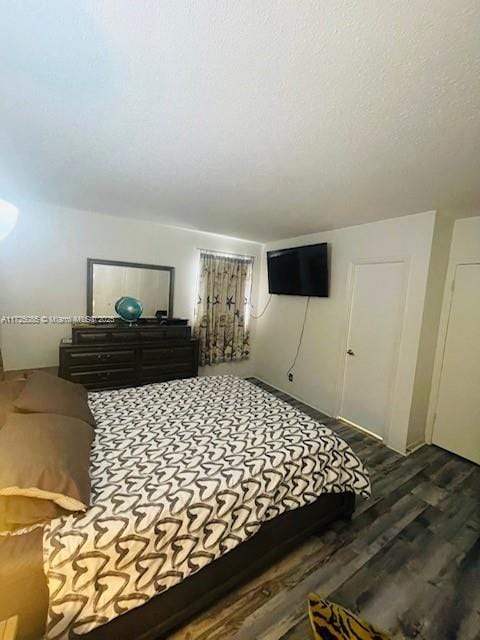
(111, 356)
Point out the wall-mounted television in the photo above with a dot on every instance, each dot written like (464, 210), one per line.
(299, 271)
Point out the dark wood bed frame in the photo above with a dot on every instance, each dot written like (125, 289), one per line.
(162, 614)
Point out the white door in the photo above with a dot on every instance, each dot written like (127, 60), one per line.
(375, 323)
(457, 422)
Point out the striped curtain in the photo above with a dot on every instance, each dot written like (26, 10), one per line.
(222, 307)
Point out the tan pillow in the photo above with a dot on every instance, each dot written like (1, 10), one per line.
(46, 456)
(44, 393)
(9, 392)
(18, 512)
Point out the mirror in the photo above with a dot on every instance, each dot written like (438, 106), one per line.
(109, 280)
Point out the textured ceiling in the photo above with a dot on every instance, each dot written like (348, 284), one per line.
(259, 119)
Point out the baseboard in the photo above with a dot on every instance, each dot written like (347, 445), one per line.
(289, 393)
(372, 435)
(12, 374)
(415, 446)
(367, 432)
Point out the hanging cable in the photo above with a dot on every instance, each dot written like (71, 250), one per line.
(301, 337)
(264, 308)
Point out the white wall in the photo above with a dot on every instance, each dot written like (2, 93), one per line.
(442, 237)
(319, 369)
(43, 272)
(465, 246)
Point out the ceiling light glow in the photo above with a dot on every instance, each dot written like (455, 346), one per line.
(8, 218)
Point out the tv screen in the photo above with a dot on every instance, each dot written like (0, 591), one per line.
(300, 271)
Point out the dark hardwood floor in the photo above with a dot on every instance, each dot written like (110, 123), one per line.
(409, 561)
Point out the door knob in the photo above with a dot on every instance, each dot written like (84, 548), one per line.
(350, 352)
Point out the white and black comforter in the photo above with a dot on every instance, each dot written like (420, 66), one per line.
(182, 472)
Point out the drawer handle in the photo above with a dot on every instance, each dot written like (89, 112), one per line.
(104, 356)
(104, 375)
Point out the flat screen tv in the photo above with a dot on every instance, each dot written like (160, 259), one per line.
(300, 271)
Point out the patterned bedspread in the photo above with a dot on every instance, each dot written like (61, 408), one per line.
(182, 472)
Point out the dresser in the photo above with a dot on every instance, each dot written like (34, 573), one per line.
(111, 356)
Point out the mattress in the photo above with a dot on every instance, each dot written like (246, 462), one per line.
(182, 472)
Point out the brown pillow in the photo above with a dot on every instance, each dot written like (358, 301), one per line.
(46, 456)
(18, 512)
(44, 393)
(47, 375)
(9, 392)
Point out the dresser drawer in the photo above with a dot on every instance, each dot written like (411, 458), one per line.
(103, 376)
(131, 335)
(82, 358)
(167, 354)
(102, 337)
(163, 333)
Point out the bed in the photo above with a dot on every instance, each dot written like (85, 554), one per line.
(196, 484)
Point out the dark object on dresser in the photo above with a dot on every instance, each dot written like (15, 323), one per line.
(175, 321)
(168, 610)
(161, 314)
(115, 355)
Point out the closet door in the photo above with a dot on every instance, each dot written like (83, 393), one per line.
(376, 316)
(457, 420)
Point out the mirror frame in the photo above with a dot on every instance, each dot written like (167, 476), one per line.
(91, 262)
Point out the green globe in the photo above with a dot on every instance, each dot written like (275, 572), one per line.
(129, 309)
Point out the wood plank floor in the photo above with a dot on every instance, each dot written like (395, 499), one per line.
(409, 561)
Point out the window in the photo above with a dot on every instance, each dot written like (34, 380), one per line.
(222, 307)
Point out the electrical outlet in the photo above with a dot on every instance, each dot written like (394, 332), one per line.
(290, 377)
